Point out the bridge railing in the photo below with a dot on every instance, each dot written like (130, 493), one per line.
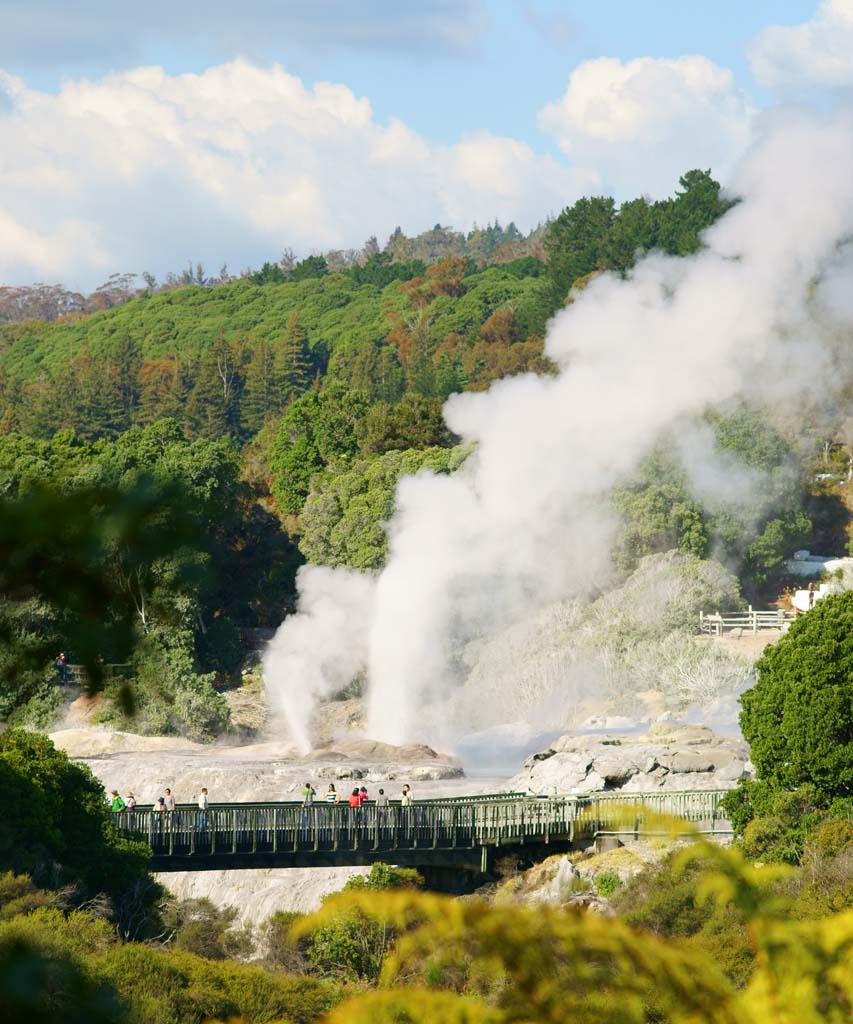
(279, 828)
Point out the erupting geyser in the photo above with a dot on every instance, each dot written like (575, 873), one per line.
(526, 522)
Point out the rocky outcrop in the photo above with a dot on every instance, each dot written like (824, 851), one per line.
(668, 757)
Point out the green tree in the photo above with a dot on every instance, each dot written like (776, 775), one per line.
(213, 406)
(262, 393)
(318, 430)
(54, 812)
(311, 266)
(292, 365)
(343, 519)
(576, 242)
(798, 718)
(694, 208)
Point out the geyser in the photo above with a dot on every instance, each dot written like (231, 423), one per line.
(526, 521)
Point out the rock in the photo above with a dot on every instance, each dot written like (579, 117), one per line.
(684, 735)
(683, 762)
(421, 773)
(668, 757)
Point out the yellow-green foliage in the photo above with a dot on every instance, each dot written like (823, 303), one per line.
(147, 985)
(549, 966)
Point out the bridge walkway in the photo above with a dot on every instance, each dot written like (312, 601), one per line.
(462, 831)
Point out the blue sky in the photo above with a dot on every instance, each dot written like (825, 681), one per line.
(445, 110)
(503, 60)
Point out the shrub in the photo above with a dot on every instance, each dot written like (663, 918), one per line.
(798, 718)
(607, 883)
(200, 927)
(280, 949)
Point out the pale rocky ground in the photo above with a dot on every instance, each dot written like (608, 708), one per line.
(666, 758)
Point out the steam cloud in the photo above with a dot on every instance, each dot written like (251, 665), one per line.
(526, 521)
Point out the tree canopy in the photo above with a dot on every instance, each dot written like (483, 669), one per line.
(798, 718)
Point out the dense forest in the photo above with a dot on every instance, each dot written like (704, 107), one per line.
(277, 411)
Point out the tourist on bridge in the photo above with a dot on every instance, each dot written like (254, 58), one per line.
(116, 803)
(130, 801)
(202, 809)
(382, 804)
(331, 796)
(169, 801)
(407, 800)
(362, 796)
(355, 807)
(308, 794)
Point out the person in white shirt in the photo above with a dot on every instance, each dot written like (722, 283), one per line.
(202, 809)
(169, 800)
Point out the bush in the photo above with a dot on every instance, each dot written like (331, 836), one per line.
(829, 839)
(607, 883)
(779, 833)
(662, 900)
(208, 931)
(280, 949)
(798, 718)
(56, 824)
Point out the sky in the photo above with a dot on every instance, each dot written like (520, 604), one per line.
(138, 138)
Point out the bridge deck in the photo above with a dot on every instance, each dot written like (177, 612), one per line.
(443, 831)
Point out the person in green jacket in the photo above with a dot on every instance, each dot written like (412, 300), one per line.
(116, 804)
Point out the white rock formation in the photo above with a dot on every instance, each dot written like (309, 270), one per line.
(668, 757)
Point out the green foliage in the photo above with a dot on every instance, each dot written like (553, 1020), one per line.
(199, 927)
(55, 818)
(385, 876)
(72, 969)
(351, 945)
(607, 883)
(318, 430)
(344, 516)
(755, 529)
(798, 718)
(165, 552)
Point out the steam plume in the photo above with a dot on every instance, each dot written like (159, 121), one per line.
(526, 521)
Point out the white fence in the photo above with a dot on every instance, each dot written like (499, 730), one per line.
(751, 621)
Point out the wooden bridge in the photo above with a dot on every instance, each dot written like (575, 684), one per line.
(460, 832)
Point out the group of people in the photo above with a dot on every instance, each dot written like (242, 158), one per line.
(358, 798)
(356, 802)
(163, 804)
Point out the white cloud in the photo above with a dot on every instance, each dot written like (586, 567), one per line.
(644, 122)
(815, 53)
(144, 170)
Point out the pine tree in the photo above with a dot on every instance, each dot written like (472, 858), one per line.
(262, 393)
(92, 403)
(213, 407)
(292, 366)
(128, 362)
(161, 393)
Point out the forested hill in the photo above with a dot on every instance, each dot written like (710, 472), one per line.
(286, 405)
(223, 358)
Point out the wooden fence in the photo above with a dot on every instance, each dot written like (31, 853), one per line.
(751, 621)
